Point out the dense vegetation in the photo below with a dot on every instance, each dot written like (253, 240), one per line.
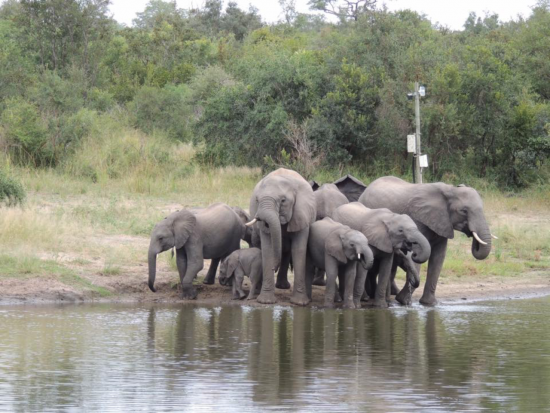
(303, 92)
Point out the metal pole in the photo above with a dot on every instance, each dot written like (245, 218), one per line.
(418, 171)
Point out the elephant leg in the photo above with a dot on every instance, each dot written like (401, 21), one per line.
(195, 263)
(383, 281)
(211, 275)
(310, 270)
(181, 263)
(255, 281)
(359, 287)
(435, 264)
(341, 284)
(238, 293)
(331, 267)
(349, 279)
(267, 294)
(299, 250)
(319, 277)
(394, 290)
(370, 284)
(282, 275)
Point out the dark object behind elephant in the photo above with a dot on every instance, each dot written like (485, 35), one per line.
(438, 210)
(351, 187)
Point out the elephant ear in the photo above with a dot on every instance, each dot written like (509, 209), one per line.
(429, 206)
(376, 231)
(232, 263)
(334, 245)
(304, 212)
(183, 226)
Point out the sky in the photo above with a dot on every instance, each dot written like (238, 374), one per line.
(451, 13)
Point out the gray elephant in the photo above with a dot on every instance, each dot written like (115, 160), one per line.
(209, 233)
(387, 232)
(338, 250)
(239, 263)
(327, 199)
(211, 274)
(438, 210)
(283, 207)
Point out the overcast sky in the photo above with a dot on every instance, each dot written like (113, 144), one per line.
(448, 13)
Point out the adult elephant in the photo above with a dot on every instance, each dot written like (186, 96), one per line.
(211, 233)
(283, 207)
(386, 232)
(438, 210)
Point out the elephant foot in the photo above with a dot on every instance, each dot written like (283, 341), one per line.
(319, 281)
(380, 303)
(348, 304)
(404, 298)
(337, 297)
(282, 285)
(357, 303)
(328, 304)
(428, 301)
(267, 297)
(188, 292)
(300, 299)
(239, 296)
(208, 281)
(252, 296)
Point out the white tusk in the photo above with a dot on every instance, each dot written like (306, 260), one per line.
(358, 256)
(478, 239)
(248, 224)
(494, 236)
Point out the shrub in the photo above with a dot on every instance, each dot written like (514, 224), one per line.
(11, 191)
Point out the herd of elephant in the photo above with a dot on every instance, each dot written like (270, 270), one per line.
(358, 236)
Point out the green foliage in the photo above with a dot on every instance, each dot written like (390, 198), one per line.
(217, 76)
(11, 191)
(163, 109)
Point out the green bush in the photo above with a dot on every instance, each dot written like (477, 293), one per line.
(11, 191)
(163, 109)
(25, 134)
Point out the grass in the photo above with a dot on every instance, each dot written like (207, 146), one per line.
(94, 213)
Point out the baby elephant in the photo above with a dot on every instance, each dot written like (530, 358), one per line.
(339, 250)
(238, 264)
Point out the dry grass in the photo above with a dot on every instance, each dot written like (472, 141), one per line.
(94, 214)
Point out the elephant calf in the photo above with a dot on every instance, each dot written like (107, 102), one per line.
(337, 249)
(238, 264)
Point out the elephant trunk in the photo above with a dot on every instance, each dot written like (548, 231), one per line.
(268, 213)
(421, 248)
(152, 270)
(367, 257)
(481, 251)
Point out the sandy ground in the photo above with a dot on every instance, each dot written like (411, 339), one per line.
(130, 285)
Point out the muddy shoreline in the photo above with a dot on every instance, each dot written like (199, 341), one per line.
(131, 289)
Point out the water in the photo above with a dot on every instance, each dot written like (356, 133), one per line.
(485, 356)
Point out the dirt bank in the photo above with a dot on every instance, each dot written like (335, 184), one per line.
(130, 285)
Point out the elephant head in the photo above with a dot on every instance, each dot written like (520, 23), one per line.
(172, 232)
(444, 208)
(227, 268)
(282, 198)
(349, 245)
(247, 230)
(395, 232)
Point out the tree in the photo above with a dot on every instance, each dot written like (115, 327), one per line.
(343, 9)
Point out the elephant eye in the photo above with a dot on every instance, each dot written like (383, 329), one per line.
(352, 245)
(283, 200)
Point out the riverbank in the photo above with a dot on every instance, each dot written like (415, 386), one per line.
(74, 241)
